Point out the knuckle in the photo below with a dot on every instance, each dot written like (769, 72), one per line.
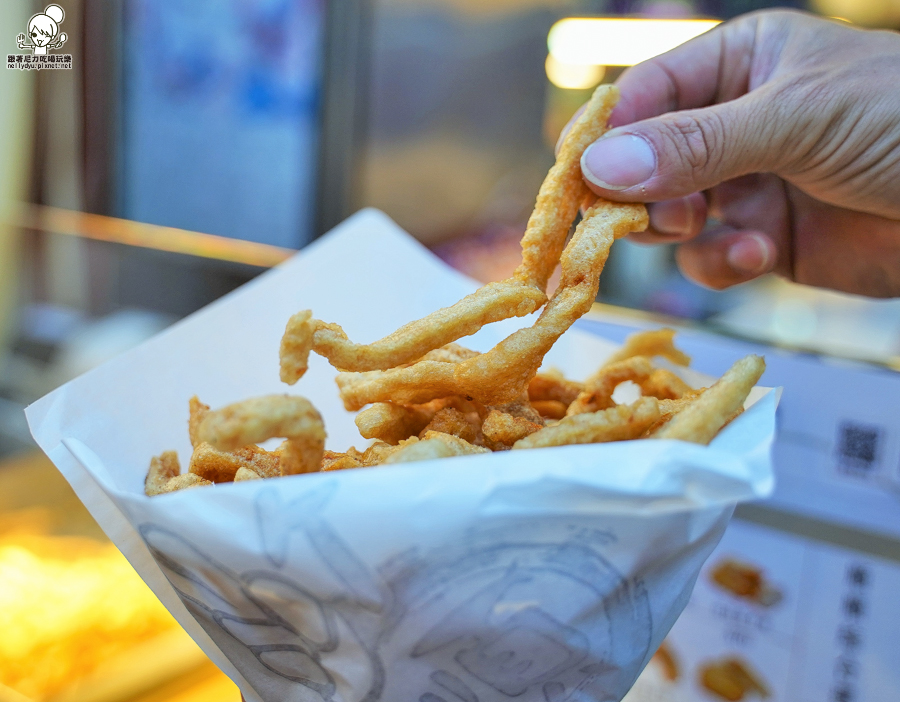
(696, 140)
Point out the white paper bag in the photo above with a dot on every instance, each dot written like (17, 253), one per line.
(547, 575)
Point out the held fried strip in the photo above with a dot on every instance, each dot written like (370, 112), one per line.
(261, 418)
(658, 342)
(557, 204)
(599, 388)
(614, 424)
(502, 374)
(701, 420)
(562, 192)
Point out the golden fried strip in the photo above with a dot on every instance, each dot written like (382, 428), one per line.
(557, 204)
(266, 463)
(518, 408)
(663, 384)
(333, 460)
(502, 430)
(599, 388)
(549, 409)
(295, 346)
(213, 465)
(701, 420)
(502, 374)
(452, 421)
(261, 418)
(221, 466)
(619, 423)
(449, 353)
(243, 473)
(658, 342)
(553, 386)
(392, 423)
(434, 444)
(562, 192)
(162, 469)
(669, 408)
(185, 481)
(196, 412)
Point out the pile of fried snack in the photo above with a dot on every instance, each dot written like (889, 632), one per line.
(428, 397)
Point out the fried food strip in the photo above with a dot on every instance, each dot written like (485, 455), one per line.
(378, 452)
(702, 419)
(669, 408)
(619, 423)
(663, 384)
(599, 388)
(222, 466)
(196, 412)
(215, 466)
(549, 409)
(434, 444)
(518, 408)
(261, 418)
(392, 423)
(557, 205)
(502, 430)
(266, 463)
(553, 386)
(332, 460)
(162, 469)
(658, 342)
(295, 346)
(502, 374)
(185, 481)
(452, 421)
(246, 474)
(563, 191)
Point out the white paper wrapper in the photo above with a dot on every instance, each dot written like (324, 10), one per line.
(540, 576)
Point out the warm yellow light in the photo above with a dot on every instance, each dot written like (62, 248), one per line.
(573, 75)
(619, 41)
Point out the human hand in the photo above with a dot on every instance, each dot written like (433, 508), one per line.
(782, 126)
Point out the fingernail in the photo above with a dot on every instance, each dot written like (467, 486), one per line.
(750, 255)
(618, 162)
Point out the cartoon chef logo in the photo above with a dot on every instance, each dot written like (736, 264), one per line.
(43, 31)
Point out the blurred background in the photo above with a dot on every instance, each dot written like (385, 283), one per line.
(190, 144)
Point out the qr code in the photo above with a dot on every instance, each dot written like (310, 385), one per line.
(858, 447)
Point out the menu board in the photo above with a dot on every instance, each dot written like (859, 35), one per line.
(784, 618)
(837, 452)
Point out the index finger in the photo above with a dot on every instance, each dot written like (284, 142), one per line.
(713, 67)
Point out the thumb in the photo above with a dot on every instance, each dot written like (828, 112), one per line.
(680, 153)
